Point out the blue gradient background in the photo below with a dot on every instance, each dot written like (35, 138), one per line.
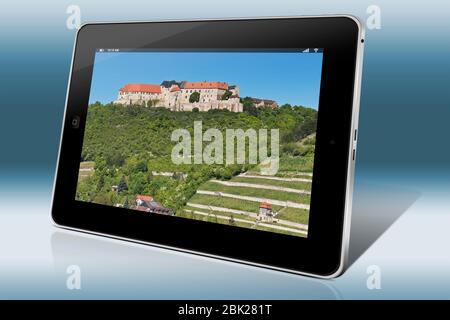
(403, 144)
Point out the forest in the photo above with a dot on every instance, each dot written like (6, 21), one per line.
(127, 150)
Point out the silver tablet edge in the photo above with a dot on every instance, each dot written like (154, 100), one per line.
(352, 152)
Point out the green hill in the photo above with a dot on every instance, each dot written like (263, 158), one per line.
(127, 150)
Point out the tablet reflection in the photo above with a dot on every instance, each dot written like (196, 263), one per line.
(375, 209)
(118, 269)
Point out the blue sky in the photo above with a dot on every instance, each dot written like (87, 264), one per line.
(286, 77)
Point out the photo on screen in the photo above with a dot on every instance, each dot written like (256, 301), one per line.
(219, 137)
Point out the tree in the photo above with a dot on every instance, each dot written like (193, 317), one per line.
(114, 158)
(223, 173)
(141, 166)
(138, 183)
(194, 97)
(122, 186)
(250, 109)
(247, 101)
(103, 199)
(286, 106)
(149, 176)
(226, 95)
(196, 110)
(101, 182)
(126, 204)
(100, 167)
(178, 176)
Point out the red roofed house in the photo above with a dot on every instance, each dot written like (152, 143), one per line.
(265, 103)
(142, 198)
(265, 212)
(147, 204)
(139, 94)
(211, 96)
(209, 90)
(142, 88)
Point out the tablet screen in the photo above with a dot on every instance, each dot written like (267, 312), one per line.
(220, 137)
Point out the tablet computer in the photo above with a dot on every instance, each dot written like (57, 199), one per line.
(232, 138)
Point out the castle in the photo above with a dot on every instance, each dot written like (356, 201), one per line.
(183, 95)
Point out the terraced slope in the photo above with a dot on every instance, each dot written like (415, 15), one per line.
(237, 202)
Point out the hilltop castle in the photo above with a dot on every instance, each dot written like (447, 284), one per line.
(183, 95)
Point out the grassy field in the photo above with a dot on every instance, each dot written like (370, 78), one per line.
(294, 215)
(254, 192)
(214, 219)
(286, 184)
(87, 165)
(290, 166)
(86, 169)
(288, 214)
(236, 204)
(221, 213)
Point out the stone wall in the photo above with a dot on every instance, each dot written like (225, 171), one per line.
(179, 101)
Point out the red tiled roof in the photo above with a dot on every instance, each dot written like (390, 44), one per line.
(206, 85)
(265, 205)
(139, 87)
(144, 198)
(175, 88)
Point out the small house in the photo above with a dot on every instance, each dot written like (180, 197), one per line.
(265, 212)
(146, 203)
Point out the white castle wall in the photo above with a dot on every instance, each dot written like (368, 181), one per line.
(233, 105)
(179, 100)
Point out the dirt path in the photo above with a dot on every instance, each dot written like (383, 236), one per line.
(256, 199)
(274, 178)
(260, 186)
(249, 222)
(168, 174)
(246, 213)
(213, 208)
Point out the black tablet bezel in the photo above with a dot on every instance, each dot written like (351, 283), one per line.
(321, 252)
